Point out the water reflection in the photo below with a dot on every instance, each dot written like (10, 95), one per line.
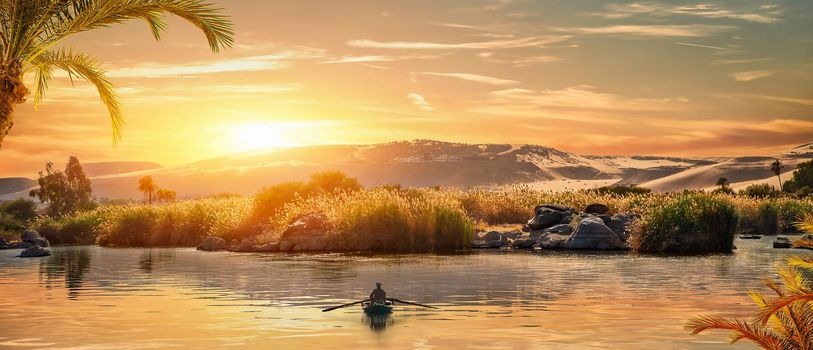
(378, 323)
(67, 265)
(150, 258)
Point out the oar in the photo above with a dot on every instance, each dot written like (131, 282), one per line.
(345, 305)
(408, 303)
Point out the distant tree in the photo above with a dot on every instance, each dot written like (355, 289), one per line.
(165, 195)
(759, 191)
(147, 186)
(65, 192)
(273, 198)
(802, 177)
(723, 185)
(776, 167)
(622, 190)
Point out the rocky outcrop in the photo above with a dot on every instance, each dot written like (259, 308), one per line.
(4, 244)
(306, 232)
(213, 244)
(551, 228)
(34, 239)
(592, 233)
(34, 252)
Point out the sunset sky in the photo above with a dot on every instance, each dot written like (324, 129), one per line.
(590, 77)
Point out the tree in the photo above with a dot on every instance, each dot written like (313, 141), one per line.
(146, 185)
(759, 191)
(723, 186)
(802, 177)
(165, 195)
(31, 29)
(332, 181)
(776, 167)
(65, 192)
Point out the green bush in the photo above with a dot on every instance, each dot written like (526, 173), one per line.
(621, 190)
(21, 209)
(760, 191)
(687, 223)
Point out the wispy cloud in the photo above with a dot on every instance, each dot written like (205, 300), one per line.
(745, 60)
(378, 58)
(243, 64)
(682, 30)
(784, 99)
(420, 102)
(702, 46)
(765, 14)
(481, 45)
(485, 79)
(584, 97)
(751, 75)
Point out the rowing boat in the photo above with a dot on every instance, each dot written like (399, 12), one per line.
(377, 308)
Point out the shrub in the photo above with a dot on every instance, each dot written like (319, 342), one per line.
(759, 191)
(621, 190)
(687, 223)
(21, 209)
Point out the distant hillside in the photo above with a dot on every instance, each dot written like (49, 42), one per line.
(15, 184)
(435, 163)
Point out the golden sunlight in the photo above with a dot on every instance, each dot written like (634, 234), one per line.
(253, 136)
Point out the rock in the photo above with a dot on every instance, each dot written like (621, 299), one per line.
(286, 246)
(567, 217)
(544, 219)
(33, 237)
(213, 244)
(526, 228)
(513, 234)
(305, 233)
(4, 244)
(246, 245)
(523, 243)
(592, 233)
(489, 236)
(268, 248)
(34, 252)
(596, 208)
(551, 240)
(560, 229)
(618, 226)
(606, 218)
(233, 245)
(555, 207)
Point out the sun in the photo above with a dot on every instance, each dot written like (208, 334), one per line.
(254, 136)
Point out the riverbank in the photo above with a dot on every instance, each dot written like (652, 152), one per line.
(415, 220)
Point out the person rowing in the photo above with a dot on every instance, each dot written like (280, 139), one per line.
(378, 296)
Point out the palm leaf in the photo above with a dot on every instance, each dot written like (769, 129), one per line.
(741, 330)
(85, 67)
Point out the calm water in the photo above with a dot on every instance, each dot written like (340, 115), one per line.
(101, 298)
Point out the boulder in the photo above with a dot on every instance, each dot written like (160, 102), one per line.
(491, 239)
(268, 248)
(233, 245)
(4, 244)
(489, 236)
(33, 238)
(513, 234)
(619, 226)
(596, 208)
(212, 243)
(306, 232)
(592, 233)
(544, 219)
(555, 207)
(34, 252)
(567, 217)
(524, 242)
(246, 245)
(551, 240)
(286, 246)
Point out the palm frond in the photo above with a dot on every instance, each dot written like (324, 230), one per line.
(85, 67)
(92, 14)
(741, 330)
(804, 262)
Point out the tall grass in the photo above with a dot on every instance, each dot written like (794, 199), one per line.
(407, 219)
(687, 222)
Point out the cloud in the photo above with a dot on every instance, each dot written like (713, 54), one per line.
(683, 30)
(746, 60)
(420, 102)
(703, 46)
(583, 97)
(377, 58)
(751, 75)
(485, 79)
(785, 99)
(481, 45)
(768, 14)
(243, 64)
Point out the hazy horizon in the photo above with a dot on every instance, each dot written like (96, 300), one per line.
(620, 78)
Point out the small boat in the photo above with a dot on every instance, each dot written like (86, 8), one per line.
(782, 242)
(750, 236)
(377, 308)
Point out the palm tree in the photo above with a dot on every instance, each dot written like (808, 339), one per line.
(146, 185)
(776, 167)
(30, 30)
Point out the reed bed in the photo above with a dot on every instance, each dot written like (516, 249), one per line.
(407, 219)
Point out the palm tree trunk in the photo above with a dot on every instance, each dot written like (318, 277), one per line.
(780, 181)
(12, 92)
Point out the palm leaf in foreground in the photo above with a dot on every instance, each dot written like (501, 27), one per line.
(30, 30)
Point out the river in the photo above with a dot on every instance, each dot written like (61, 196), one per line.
(104, 298)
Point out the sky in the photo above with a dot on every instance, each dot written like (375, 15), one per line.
(679, 78)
